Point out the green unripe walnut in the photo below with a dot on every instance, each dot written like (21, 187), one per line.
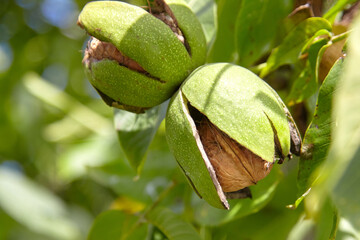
(137, 59)
(226, 127)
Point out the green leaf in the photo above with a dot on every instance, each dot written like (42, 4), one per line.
(290, 49)
(343, 162)
(223, 48)
(260, 225)
(302, 229)
(172, 225)
(35, 207)
(136, 131)
(115, 224)
(322, 226)
(257, 26)
(262, 193)
(312, 41)
(303, 87)
(334, 10)
(338, 175)
(7, 224)
(327, 222)
(318, 136)
(306, 84)
(156, 174)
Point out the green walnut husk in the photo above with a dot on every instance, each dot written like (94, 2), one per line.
(136, 59)
(226, 127)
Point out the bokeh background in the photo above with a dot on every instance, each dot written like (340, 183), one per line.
(52, 125)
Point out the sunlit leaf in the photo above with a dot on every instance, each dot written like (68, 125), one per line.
(339, 174)
(35, 207)
(318, 136)
(172, 225)
(136, 131)
(345, 152)
(288, 52)
(115, 224)
(257, 26)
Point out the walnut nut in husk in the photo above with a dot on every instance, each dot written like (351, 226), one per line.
(137, 57)
(235, 166)
(226, 128)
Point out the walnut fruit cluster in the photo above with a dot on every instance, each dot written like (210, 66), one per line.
(225, 126)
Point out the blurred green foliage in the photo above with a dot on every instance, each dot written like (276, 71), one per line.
(64, 175)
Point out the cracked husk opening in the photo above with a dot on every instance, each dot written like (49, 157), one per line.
(97, 50)
(235, 166)
(162, 11)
